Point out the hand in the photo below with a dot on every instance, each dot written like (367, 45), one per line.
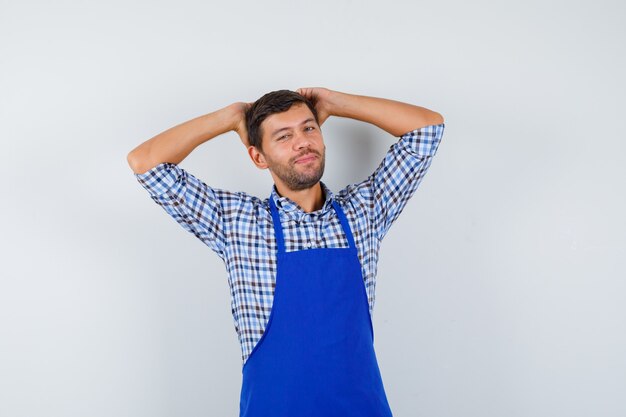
(321, 99)
(239, 116)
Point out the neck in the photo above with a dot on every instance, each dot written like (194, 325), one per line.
(309, 199)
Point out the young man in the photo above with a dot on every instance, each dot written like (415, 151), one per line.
(302, 263)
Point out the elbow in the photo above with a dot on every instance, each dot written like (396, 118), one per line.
(134, 162)
(130, 158)
(140, 162)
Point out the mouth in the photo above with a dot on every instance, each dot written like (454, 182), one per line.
(305, 158)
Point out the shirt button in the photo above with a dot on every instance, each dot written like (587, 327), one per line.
(308, 245)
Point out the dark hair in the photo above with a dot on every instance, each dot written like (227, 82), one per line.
(271, 103)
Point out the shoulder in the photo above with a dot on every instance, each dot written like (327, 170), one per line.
(356, 198)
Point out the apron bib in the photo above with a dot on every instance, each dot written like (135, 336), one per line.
(316, 357)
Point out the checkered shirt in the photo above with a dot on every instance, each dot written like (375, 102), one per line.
(238, 226)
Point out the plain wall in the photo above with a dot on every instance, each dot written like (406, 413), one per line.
(501, 287)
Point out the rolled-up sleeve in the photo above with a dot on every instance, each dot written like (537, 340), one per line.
(194, 205)
(423, 142)
(386, 192)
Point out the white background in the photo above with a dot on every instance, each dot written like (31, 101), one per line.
(501, 287)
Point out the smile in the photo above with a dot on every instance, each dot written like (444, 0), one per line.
(305, 159)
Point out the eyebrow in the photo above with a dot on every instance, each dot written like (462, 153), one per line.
(310, 119)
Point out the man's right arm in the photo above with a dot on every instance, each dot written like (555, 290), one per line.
(176, 143)
(194, 205)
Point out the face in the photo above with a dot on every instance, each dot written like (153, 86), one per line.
(293, 148)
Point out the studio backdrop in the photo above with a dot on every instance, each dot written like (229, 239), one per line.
(500, 288)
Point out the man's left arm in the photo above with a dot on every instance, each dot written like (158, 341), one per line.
(394, 117)
(385, 193)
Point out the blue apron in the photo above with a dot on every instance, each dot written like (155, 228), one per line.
(316, 357)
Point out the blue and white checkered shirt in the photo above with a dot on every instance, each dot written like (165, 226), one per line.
(238, 226)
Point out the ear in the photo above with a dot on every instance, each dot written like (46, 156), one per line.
(257, 157)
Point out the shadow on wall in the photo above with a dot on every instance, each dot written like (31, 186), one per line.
(353, 151)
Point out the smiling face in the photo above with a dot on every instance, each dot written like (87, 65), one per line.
(292, 148)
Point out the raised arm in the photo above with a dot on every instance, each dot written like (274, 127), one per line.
(395, 117)
(176, 143)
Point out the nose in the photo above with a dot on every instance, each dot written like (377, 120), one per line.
(301, 141)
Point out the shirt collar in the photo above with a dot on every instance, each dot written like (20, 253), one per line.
(293, 211)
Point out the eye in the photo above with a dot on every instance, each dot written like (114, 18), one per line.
(282, 137)
(309, 127)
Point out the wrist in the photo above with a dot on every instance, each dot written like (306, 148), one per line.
(338, 103)
(228, 117)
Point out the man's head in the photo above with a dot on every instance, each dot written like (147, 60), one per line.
(285, 137)
(271, 103)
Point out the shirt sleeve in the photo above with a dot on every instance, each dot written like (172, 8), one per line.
(386, 192)
(194, 205)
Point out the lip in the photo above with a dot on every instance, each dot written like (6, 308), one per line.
(305, 159)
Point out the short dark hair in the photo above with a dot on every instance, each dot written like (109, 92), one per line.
(271, 103)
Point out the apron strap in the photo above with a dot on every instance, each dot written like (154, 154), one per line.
(278, 229)
(344, 223)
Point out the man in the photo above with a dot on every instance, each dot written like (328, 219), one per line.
(302, 263)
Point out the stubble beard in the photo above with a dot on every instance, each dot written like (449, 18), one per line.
(297, 180)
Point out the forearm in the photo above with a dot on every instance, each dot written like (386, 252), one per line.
(176, 143)
(394, 117)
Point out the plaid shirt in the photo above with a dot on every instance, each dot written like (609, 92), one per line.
(238, 226)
